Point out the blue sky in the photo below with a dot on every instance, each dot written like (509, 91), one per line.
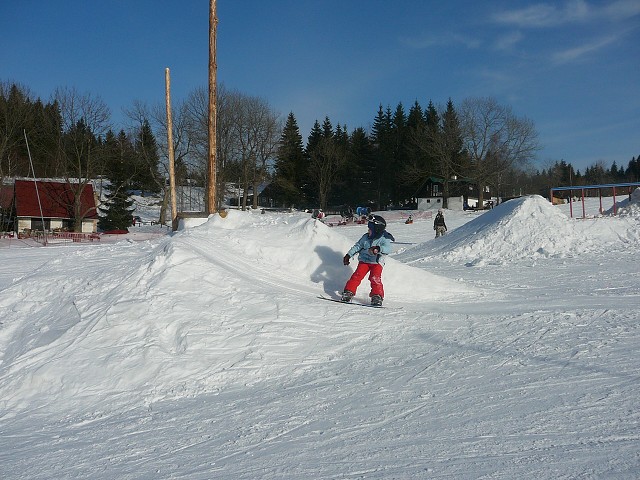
(573, 67)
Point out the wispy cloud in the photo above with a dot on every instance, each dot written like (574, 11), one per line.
(494, 75)
(508, 41)
(576, 53)
(597, 21)
(451, 39)
(622, 9)
(543, 15)
(534, 16)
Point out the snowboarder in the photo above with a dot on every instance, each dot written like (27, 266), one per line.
(372, 248)
(438, 224)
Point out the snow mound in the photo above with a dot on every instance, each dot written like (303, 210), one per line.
(311, 252)
(524, 228)
(630, 207)
(178, 317)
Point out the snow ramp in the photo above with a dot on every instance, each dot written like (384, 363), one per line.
(521, 229)
(295, 249)
(233, 300)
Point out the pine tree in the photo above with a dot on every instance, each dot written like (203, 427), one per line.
(147, 160)
(13, 116)
(314, 141)
(453, 142)
(416, 157)
(327, 160)
(432, 118)
(416, 116)
(359, 182)
(327, 128)
(613, 171)
(340, 194)
(341, 136)
(398, 190)
(290, 164)
(381, 127)
(382, 139)
(452, 158)
(633, 169)
(314, 137)
(425, 140)
(117, 212)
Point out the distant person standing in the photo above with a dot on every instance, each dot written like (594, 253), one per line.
(438, 224)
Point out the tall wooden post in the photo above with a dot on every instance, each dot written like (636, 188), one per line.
(172, 171)
(211, 190)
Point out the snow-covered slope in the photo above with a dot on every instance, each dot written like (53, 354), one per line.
(206, 354)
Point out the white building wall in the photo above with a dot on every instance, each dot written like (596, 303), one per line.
(432, 203)
(455, 203)
(24, 224)
(89, 226)
(55, 223)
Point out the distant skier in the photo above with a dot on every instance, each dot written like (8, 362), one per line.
(347, 214)
(372, 248)
(318, 214)
(438, 224)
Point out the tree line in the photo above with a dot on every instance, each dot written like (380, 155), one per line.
(69, 138)
(480, 140)
(563, 174)
(483, 142)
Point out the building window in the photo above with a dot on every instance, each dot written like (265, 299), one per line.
(36, 224)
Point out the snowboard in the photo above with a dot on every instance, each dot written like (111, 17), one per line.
(352, 302)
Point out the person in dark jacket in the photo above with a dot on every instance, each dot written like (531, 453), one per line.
(438, 224)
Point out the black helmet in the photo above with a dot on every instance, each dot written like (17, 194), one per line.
(376, 224)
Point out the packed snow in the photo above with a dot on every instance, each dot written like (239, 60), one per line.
(507, 348)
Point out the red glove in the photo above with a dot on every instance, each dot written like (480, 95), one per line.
(345, 260)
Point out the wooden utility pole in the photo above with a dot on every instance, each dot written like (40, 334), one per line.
(211, 190)
(172, 171)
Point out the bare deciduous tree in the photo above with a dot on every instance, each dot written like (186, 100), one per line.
(496, 141)
(326, 162)
(253, 132)
(183, 147)
(197, 114)
(265, 129)
(84, 119)
(248, 131)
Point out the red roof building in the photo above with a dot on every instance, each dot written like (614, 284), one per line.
(53, 203)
